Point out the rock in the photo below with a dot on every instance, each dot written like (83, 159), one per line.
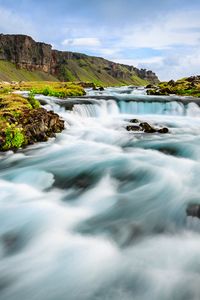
(133, 128)
(150, 86)
(26, 53)
(172, 83)
(101, 88)
(134, 121)
(163, 130)
(193, 210)
(146, 127)
(40, 124)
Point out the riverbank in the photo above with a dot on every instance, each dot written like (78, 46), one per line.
(23, 121)
(189, 86)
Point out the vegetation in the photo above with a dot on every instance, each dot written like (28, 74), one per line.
(184, 87)
(9, 72)
(85, 69)
(23, 121)
(47, 88)
(31, 99)
(14, 137)
(98, 71)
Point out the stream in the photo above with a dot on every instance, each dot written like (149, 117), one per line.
(99, 213)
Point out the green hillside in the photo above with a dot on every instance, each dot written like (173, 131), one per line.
(9, 72)
(97, 70)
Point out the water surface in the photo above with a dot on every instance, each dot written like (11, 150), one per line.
(99, 213)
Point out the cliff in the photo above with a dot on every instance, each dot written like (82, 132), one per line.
(25, 53)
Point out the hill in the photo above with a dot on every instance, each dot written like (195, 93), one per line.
(22, 58)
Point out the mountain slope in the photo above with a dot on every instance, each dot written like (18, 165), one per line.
(9, 72)
(20, 53)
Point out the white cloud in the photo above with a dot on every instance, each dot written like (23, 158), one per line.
(171, 30)
(137, 62)
(11, 22)
(82, 42)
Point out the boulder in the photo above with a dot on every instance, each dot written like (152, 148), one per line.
(193, 210)
(134, 121)
(146, 127)
(133, 128)
(163, 130)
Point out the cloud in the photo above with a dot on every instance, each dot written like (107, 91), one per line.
(160, 35)
(11, 22)
(82, 42)
(170, 30)
(137, 62)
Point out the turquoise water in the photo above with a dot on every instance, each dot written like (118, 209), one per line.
(99, 213)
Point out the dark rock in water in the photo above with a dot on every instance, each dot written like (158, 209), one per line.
(150, 86)
(146, 127)
(101, 88)
(163, 130)
(39, 124)
(134, 121)
(133, 128)
(193, 210)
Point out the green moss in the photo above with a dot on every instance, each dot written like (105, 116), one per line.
(60, 90)
(31, 99)
(183, 87)
(14, 137)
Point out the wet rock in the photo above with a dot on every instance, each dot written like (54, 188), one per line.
(193, 210)
(150, 86)
(101, 88)
(39, 124)
(146, 127)
(134, 121)
(133, 128)
(163, 130)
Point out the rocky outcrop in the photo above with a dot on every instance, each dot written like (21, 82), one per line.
(40, 124)
(23, 123)
(23, 51)
(193, 210)
(189, 86)
(145, 127)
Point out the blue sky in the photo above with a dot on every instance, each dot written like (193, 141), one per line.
(162, 35)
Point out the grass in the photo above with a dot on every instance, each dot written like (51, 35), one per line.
(96, 70)
(183, 87)
(14, 137)
(9, 72)
(56, 89)
(11, 109)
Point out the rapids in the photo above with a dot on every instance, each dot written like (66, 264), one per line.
(99, 213)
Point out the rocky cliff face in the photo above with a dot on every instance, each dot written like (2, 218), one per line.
(25, 53)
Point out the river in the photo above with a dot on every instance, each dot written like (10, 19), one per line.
(99, 213)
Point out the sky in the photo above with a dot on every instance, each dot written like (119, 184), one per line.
(160, 35)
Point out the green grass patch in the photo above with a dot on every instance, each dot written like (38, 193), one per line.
(14, 137)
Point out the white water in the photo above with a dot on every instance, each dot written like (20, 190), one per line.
(99, 213)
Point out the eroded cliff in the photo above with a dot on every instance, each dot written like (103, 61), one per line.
(28, 54)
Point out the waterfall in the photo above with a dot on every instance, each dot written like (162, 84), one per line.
(112, 107)
(99, 212)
